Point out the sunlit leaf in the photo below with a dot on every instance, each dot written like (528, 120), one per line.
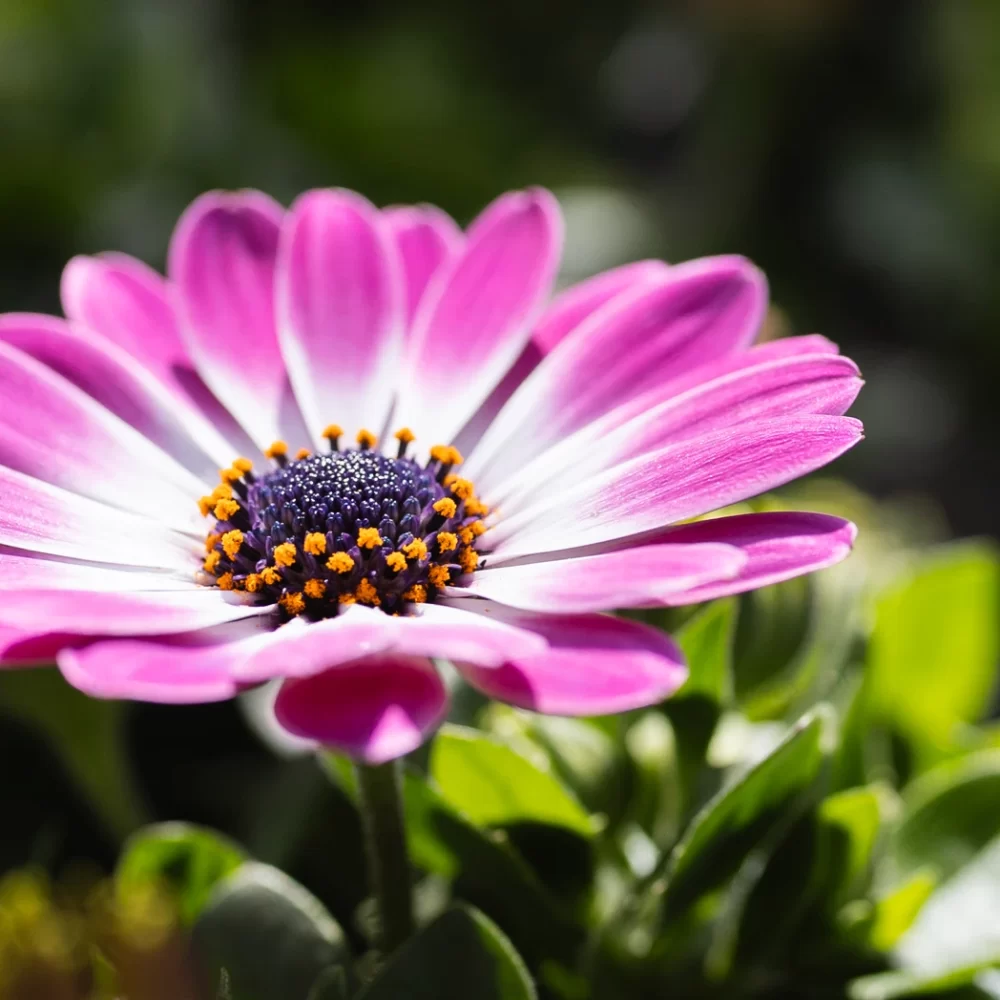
(191, 860)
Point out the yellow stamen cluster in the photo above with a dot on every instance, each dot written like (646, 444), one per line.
(446, 507)
(405, 436)
(285, 554)
(302, 453)
(231, 542)
(417, 593)
(278, 449)
(417, 549)
(438, 575)
(396, 561)
(340, 562)
(314, 589)
(293, 603)
(447, 541)
(366, 439)
(367, 594)
(446, 454)
(315, 543)
(369, 538)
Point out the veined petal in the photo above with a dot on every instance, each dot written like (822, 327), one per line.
(567, 311)
(803, 383)
(474, 325)
(374, 709)
(222, 259)
(572, 306)
(432, 631)
(594, 665)
(127, 302)
(188, 668)
(111, 376)
(52, 430)
(644, 576)
(23, 571)
(682, 481)
(340, 311)
(81, 612)
(696, 312)
(39, 517)
(426, 239)
(778, 546)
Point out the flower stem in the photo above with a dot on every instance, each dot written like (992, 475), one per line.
(380, 796)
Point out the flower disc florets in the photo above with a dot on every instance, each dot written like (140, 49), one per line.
(343, 527)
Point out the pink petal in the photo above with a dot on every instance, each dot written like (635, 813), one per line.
(52, 430)
(681, 481)
(30, 649)
(82, 612)
(39, 517)
(778, 546)
(698, 311)
(595, 665)
(432, 631)
(568, 310)
(571, 307)
(374, 709)
(644, 576)
(189, 668)
(128, 303)
(222, 259)
(112, 377)
(23, 571)
(340, 307)
(471, 330)
(804, 383)
(426, 239)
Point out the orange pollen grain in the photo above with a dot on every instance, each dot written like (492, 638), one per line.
(293, 603)
(340, 562)
(332, 431)
(347, 599)
(367, 594)
(229, 475)
(315, 589)
(466, 536)
(396, 561)
(225, 509)
(225, 582)
(211, 539)
(417, 549)
(244, 465)
(476, 508)
(222, 492)
(447, 541)
(468, 559)
(439, 575)
(302, 453)
(231, 542)
(405, 435)
(277, 448)
(254, 583)
(462, 488)
(366, 439)
(270, 575)
(315, 543)
(446, 507)
(368, 538)
(285, 554)
(417, 593)
(212, 561)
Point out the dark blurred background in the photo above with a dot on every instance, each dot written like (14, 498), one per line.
(851, 148)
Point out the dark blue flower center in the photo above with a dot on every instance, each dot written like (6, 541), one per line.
(343, 527)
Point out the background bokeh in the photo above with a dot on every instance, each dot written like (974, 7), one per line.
(851, 148)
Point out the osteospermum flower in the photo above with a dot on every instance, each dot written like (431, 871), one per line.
(337, 443)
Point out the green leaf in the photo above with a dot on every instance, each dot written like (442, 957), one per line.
(462, 955)
(493, 785)
(933, 653)
(895, 911)
(707, 643)
(484, 865)
(850, 823)
(950, 814)
(88, 734)
(740, 816)
(275, 940)
(189, 859)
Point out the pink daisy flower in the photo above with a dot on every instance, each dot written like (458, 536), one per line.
(422, 457)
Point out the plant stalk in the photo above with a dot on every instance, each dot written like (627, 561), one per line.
(390, 878)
